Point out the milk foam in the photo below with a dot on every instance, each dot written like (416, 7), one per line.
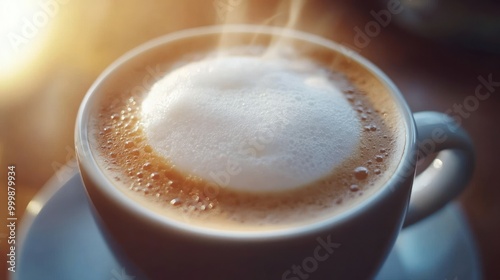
(251, 124)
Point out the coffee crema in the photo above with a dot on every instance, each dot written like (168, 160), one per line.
(243, 141)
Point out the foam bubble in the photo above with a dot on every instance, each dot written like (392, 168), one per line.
(251, 124)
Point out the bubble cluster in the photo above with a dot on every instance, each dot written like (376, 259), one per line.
(376, 141)
(126, 146)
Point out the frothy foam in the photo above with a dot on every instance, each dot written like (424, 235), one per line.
(251, 124)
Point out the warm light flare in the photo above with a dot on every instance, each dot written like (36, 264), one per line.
(34, 207)
(21, 25)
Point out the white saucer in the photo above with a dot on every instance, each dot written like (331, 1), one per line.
(59, 240)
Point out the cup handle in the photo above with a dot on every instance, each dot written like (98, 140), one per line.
(450, 171)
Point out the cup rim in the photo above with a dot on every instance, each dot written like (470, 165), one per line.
(89, 164)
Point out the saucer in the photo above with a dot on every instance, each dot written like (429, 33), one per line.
(60, 240)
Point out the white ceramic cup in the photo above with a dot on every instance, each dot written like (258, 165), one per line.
(349, 245)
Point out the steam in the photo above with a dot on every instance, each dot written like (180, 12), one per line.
(288, 15)
(280, 42)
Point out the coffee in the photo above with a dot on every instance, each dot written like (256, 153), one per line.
(242, 140)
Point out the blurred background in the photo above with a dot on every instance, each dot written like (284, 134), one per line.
(435, 51)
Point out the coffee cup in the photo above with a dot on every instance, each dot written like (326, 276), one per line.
(252, 152)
